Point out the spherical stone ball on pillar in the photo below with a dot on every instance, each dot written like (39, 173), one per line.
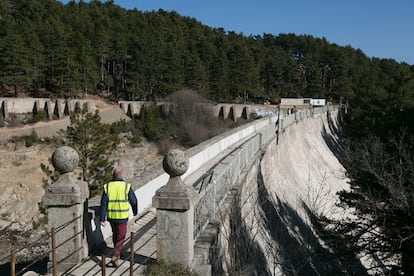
(175, 212)
(175, 163)
(65, 159)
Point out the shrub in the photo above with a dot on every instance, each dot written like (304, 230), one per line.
(135, 138)
(168, 269)
(40, 115)
(150, 118)
(31, 139)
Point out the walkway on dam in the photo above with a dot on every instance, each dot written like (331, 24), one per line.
(144, 229)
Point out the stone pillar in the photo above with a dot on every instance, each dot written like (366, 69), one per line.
(69, 107)
(223, 112)
(122, 106)
(65, 200)
(175, 213)
(245, 113)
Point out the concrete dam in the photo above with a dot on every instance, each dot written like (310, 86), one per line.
(296, 175)
(255, 188)
(264, 227)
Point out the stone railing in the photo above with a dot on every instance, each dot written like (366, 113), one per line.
(215, 185)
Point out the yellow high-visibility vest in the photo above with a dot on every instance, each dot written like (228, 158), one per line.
(118, 205)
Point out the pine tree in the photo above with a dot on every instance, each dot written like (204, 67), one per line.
(94, 141)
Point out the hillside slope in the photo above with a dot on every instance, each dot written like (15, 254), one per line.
(22, 185)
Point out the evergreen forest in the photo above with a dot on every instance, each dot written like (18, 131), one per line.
(48, 49)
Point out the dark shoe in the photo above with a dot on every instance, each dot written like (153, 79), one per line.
(114, 261)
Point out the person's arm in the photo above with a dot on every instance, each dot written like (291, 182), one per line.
(133, 201)
(104, 206)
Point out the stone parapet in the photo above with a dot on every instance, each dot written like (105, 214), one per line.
(66, 201)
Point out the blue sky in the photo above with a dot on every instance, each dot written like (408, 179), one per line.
(380, 28)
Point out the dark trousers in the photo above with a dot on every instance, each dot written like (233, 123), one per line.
(118, 236)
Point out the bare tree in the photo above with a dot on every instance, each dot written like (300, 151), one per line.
(194, 115)
(382, 193)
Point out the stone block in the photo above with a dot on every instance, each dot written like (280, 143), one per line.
(175, 232)
(171, 203)
(66, 191)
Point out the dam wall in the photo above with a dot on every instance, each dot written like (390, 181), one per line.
(299, 175)
(265, 227)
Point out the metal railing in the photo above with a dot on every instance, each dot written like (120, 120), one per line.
(52, 251)
(101, 266)
(215, 185)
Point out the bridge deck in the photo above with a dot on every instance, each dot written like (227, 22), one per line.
(144, 230)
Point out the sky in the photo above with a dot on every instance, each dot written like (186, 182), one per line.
(380, 28)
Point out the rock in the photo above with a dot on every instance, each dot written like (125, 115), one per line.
(32, 253)
(20, 227)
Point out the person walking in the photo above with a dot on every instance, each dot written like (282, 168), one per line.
(116, 197)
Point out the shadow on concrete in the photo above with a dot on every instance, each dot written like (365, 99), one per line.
(125, 257)
(333, 136)
(247, 256)
(96, 242)
(299, 251)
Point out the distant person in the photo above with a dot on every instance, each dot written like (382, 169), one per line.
(116, 197)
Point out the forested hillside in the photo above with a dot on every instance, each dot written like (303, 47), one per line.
(48, 49)
(100, 47)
